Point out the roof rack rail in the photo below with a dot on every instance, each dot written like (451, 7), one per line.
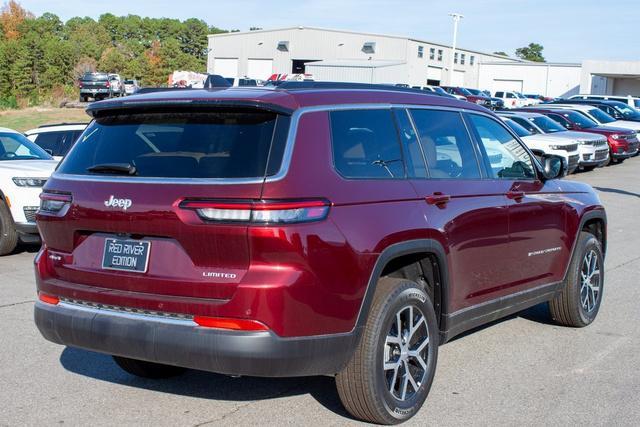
(63, 124)
(295, 85)
(160, 89)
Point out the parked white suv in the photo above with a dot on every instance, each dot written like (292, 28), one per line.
(631, 101)
(24, 169)
(547, 144)
(512, 99)
(593, 148)
(56, 139)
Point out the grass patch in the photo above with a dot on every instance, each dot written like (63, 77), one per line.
(29, 118)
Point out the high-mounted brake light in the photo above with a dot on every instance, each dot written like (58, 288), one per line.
(228, 323)
(54, 202)
(260, 212)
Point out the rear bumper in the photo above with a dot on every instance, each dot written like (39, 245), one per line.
(181, 342)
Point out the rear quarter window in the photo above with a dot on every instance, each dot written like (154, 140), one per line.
(188, 144)
(365, 144)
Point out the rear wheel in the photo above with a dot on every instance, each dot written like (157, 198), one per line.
(141, 368)
(391, 371)
(8, 233)
(579, 302)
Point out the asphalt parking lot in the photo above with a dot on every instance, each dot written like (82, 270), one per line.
(519, 371)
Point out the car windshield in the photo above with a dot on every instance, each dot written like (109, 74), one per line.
(547, 125)
(519, 130)
(626, 111)
(95, 77)
(15, 146)
(519, 95)
(128, 82)
(439, 90)
(579, 119)
(601, 116)
(464, 91)
(476, 92)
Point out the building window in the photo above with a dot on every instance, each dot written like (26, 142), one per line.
(369, 47)
(439, 54)
(432, 54)
(472, 60)
(420, 51)
(462, 58)
(455, 58)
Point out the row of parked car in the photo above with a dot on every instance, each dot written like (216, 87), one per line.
(105, 85)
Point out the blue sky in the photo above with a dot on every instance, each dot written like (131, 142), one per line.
(569, 30)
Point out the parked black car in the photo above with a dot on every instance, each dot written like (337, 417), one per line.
(94, 85)
(496, 103)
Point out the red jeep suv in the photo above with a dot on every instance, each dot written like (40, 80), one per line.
(307, 230)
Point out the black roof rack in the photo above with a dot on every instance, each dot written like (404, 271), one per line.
(63, 124)
(294, 85)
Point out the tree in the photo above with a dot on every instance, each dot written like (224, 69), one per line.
(500, 53)
(12, 15)
(532, 52)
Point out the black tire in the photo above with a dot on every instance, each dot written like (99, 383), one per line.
(569, 307)
(363, 385)
(8, 233)
(141, 368)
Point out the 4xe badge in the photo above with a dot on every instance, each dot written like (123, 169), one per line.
(118, 203)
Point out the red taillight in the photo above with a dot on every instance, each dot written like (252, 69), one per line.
(228, 323)
(260, 212)
(49, 299)
(107, 84)
(54, 203)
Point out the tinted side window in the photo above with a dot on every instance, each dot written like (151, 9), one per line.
(446, 145)
(414, 158)
(365, 144)
(564, 122)
(505, 156)
(50, 141)
(525, 124)
(499, 94)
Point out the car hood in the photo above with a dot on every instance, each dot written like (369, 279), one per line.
(27, 168)
(547, 139)
(576, 136)
(625, 124)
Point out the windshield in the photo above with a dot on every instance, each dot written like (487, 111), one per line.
(464, 91)
(15, 146)
(547, 125)
(626, 111)
(519, 130)
(601, 116)
(519, 95)
(580, 119)
(95, 77)
(439, 90)
(476, 92)
(224, 143)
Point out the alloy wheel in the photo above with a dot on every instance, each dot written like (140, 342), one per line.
(590, 281)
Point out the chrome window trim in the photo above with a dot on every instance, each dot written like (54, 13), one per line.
(287, 155)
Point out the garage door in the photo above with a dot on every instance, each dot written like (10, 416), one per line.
(434, 73)
(507, 85)
(458, 78)
(226, 67)
(259, 68)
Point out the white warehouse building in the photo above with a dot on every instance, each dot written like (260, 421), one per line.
(346, 56)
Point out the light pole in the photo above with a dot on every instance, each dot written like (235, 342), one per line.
(456, 18)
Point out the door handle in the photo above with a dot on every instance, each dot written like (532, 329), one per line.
(438, 199)
(515, 195)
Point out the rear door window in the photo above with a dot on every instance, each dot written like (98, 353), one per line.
(365, 144)
(505, 157)
(50, 141)
(225, 143)
(447, 148)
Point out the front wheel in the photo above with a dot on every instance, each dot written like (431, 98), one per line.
(390, 374)
(8, 233)
(578, 303)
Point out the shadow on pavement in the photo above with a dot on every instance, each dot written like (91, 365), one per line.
(617, 191)
(206, 385)
(30, 248)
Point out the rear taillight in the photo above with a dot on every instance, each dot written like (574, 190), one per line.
(260, 212)
(54, 203)
(107, 84)
(49, 299)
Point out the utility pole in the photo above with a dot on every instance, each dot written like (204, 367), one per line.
(456, 18)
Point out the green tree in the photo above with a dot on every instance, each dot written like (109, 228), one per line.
(500, 53)
(532, 52)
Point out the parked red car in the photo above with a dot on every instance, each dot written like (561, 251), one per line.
(306, 230)
(485, 101)
(623, 143)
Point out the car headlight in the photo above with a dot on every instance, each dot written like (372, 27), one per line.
(615, 136)
(557, 147)
(29, 182)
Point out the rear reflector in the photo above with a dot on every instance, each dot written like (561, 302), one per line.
(260, 212)
(49, 299)
(232, 324)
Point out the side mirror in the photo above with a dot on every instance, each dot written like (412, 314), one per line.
(553, 167)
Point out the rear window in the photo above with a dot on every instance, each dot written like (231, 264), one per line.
(238, 143)
(94, 77)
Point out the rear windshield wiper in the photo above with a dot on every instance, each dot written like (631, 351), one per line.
(114, 168)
